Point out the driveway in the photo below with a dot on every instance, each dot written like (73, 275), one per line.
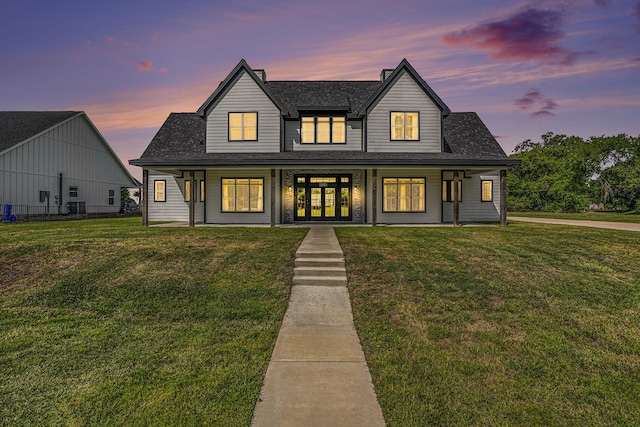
(597, 224)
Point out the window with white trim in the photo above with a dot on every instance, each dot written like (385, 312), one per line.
(403, 194)
(405, 126)
(243, 126)
(112, 197)
(242, 194)
(487, 190)
(159, 191)
(323, 130)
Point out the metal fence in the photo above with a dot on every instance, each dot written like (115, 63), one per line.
(69, 212)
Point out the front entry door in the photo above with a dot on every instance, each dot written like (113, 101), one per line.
(323, 198)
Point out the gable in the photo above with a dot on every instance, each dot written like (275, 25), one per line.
(18, 126)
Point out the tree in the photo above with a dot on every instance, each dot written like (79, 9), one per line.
(567, 173)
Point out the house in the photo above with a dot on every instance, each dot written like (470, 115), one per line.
(57, 162)
(363, 152)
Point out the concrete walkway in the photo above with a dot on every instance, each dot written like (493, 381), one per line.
(318, 375)
(583, 223)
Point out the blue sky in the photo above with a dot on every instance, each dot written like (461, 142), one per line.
(526, 67)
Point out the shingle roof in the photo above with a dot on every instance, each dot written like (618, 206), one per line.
(309, 95)
(180, 142)
(18, 126)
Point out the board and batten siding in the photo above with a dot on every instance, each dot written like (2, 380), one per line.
(404, 95)
(292, 138)
(472, 208)
(214, 198)
(432, 197)
(174, 208)
(73, 149)
(244, 96)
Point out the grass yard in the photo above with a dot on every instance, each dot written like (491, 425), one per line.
(525, 325)
(588, 216)
(103, 322)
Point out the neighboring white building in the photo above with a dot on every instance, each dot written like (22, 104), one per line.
(58, 162)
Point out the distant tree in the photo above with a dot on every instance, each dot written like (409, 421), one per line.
(567, 173)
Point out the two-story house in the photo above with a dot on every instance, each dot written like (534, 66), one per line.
(364, 152)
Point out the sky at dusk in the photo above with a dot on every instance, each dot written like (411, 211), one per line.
(526, 67)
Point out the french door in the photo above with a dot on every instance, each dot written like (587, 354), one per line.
(323, 197)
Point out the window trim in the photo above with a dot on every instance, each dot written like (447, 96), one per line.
(242, 127)
(187, 191)
(315, 129)
(202, 190)
(112, 197)
(235, 179)
(73, 189)
(490, 182)
(424, 194)
(164, 190)
(391, 113)
(449, 198)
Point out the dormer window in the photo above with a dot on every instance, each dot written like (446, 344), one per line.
(405, 126)
(243, 126)
(323, 130)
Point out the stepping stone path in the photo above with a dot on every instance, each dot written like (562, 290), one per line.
(318, 375)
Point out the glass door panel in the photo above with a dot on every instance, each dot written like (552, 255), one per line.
(301, 202)
(316, 202)
(344, 202)
(329, 202)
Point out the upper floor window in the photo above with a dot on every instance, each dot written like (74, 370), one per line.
(405, 126)
(323, 130)
(243, 126)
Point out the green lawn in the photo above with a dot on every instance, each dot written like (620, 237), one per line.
(588, 216)
(524, 325)
(103, 322)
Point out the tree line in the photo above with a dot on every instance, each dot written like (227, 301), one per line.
(568, 173)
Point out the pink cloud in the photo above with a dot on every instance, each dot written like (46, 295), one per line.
(533, 98)
(154, 38)
(145, 66)
(528, 35)
(164, 69)
(111, 39)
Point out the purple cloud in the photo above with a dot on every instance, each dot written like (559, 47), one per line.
(533, 98)
(603, 3)
(636, 10)
(528, 35)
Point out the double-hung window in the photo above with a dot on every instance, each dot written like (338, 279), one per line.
(487, 191)
(112, 197)
(242, 194)
(447, 190)
(404, 194)
(159, 191)
(243, 126)
(73, 191)
(405, 126)
(323, 130)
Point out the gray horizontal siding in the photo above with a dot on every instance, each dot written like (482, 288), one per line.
(174, 208)
(404, 95)
(472, 208)
(244, 96)
(354, 138)
(73, 149)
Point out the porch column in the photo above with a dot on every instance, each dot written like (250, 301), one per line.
(503, 197)
(192, 194)
(145, 197)
(456, 202)
(273, 197)
(374, 197)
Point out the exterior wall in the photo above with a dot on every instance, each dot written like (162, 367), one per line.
(175, 208)
(432, 197)
(73, 149)
(404, 95)
(292, 138)
(472, 208)
(244, 96)
(214, 198)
